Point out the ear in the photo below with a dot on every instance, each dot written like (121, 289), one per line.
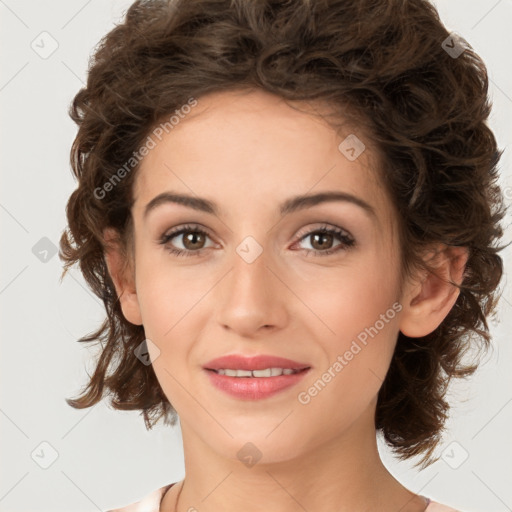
(429, 298)
(121, 272)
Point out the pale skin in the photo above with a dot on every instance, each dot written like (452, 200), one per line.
(248, 153)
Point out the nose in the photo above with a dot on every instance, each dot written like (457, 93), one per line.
(252, 298)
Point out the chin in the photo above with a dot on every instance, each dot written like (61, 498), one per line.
(258, 447)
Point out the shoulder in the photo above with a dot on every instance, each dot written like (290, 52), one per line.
(149, 503)
(437, 507)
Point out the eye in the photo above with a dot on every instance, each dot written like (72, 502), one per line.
(322, 239)
(193, 241)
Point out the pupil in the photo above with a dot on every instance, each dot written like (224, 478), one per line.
(321, 236)
(192, 238)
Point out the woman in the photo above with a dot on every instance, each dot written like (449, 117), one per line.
(290, 211)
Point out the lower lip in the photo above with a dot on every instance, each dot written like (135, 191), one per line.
(254, 388)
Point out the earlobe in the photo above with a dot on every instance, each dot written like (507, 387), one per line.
(428, 300)
(122, 276)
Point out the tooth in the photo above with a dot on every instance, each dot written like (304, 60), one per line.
(267, 372)
(262, 373)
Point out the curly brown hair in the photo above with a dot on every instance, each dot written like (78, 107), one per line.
(382, 63)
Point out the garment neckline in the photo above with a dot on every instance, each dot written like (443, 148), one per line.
(164, 492)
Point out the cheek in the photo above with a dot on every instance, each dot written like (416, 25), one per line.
(344, 388)
(174, 310)
(352, 298)
(168, 297)
(359, 312)
(168, 307)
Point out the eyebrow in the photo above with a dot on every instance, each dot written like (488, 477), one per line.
(292, 204)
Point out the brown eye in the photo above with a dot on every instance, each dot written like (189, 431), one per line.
(193, 240)
(322, 241)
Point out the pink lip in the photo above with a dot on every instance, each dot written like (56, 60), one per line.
(250, 388)
(237, 362)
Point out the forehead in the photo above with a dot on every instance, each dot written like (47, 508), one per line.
(255, 145)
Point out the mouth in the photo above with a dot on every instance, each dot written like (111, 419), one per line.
(258, 374)
(263, 362)
(255, 377)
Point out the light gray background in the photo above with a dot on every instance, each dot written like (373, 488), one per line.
(106, 458)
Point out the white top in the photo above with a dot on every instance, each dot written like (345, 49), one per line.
(151, 503)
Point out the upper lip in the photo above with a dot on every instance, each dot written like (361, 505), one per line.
(261, 362)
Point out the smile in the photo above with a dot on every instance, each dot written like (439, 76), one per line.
(254, 384)
(267, 372)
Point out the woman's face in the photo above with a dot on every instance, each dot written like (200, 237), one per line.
(263, 279)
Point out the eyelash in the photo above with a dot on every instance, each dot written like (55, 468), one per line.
(347, 241)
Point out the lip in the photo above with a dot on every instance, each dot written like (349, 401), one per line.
(260, 362)
(251, 388)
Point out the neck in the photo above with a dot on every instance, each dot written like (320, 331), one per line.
(343, 473)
